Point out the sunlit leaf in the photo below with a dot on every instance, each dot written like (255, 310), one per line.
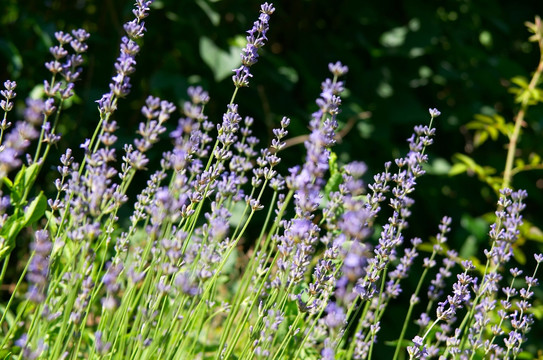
(220, 62)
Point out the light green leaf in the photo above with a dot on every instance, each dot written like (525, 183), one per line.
(290, 73)
(24, 178)
(520, 81)
(335, 176)
(53, 222)
(9, 231)
(220, 61)
(457, 169)
(439, 166)
(8, 182)
(519, 256)
(394, 37)
(35, 210)
(213, 16)
(239, 214)
(535, 159)
(480, 138)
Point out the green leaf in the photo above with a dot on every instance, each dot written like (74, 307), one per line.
(482, 172)
(520, 81)
(426, 247)
(519, 256)
(10, 317)
(6, 354)
(468, 161)
(230, 264)
(531, 232)
(289, 73)
(523, 93)
(221, 62)
(52, 220)
(14, 224)
(469, 249)
(394, 37)
(8, 182)
(35, 210)
(335, 176)
(213, 16)
(480, 138)
(25, 178)
(488, 126)
(439, 166)
(8, 49)
(457, 169)
(535, 159)
(475, 226)
(405, 343)
(9, 231)
(239, 214)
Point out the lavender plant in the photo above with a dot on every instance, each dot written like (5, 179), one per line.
(171, 281)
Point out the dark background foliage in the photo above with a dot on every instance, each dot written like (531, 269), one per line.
(404, 57)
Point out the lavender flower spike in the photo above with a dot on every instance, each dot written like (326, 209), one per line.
(255, 40)
(126, 62)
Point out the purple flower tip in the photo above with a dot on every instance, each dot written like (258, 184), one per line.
(434, 112)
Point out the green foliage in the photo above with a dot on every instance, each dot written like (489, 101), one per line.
(18, 190)
(335, 178)
(465, 164)
(525, 93)
(220, 62)
(489, 126)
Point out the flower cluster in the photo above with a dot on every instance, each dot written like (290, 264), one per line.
(255, 40)
(126, 62)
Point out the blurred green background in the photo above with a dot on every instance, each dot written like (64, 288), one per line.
(404, 57)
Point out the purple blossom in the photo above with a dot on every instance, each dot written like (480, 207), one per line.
(434, 112)
(255, 40)
(38, 270)
(335, 316)
(8, 94)
(125, 64)
(102, 348)
(112, 285)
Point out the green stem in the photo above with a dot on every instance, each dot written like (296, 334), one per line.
(287, 337)
(411, 306)
(376, 315)
(3, 273)
(519, 121)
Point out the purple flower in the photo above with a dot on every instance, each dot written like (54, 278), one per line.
(434, 112)
(125, 64)
(101, 347)
(7, 94)
(255, 40)
(338, 69)
(38, 270)
(335, 316)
